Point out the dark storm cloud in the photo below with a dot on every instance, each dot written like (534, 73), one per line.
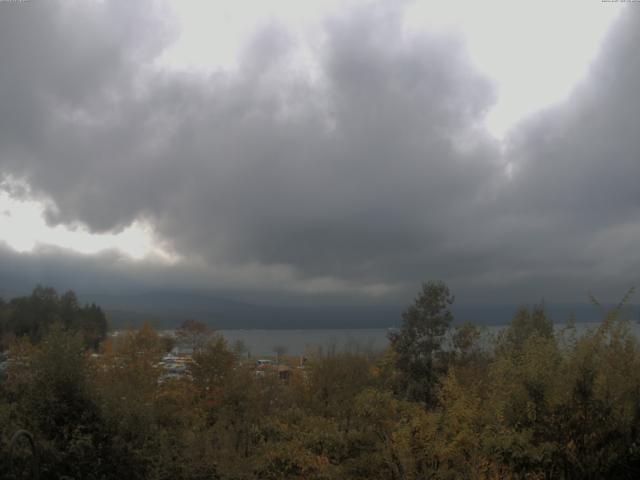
(368, 176)
(576, 169)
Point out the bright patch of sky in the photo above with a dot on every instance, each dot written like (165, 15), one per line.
(535, 51)
(23, 228)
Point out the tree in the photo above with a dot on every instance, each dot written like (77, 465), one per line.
(240, 349)
(466, 341)
(32, 316)
(467, 356)
(419, 341)
(94, 325)
(194, 334)
(524, 325)
(51, 384)
(280, 351)
(334, 380)
(212, 365)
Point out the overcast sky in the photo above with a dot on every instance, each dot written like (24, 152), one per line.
(335, 153)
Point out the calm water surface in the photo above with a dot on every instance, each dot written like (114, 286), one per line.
(299, 342)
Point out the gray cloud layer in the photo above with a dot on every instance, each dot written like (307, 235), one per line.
(366, 178)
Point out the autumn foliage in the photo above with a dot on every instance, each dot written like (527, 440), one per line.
(442, 402)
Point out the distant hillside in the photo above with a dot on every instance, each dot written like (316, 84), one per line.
(559, 313)
(169, 309)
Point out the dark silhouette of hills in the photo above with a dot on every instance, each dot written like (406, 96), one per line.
(167, 309)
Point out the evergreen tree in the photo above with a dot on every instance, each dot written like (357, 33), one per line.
(418, 344)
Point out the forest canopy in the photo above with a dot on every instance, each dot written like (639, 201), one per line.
(32, 316)
(443, 401)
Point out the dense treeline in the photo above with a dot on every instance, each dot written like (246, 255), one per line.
(33, 315)
(440, 402)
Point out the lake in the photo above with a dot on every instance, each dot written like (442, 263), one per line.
(299, 342)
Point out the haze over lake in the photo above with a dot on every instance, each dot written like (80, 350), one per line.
(300, 342)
